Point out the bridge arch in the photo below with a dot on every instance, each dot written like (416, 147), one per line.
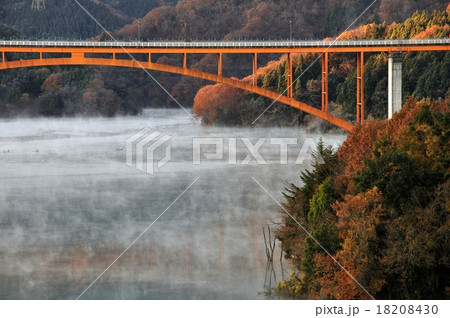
(182, 71)
(81, 53)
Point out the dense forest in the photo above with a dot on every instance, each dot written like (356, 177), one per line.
(269, 19)
(380, 207)
(425, 74)
(109, 91)
(65, 20)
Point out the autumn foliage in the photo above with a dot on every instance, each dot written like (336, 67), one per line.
(386, 217)
(427, 74)
(214, 99)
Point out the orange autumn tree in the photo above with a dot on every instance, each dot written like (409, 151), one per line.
(420, 134)
(359, 216)
(213, 100)
(358, 147)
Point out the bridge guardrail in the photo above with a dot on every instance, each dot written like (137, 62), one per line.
(227, 44)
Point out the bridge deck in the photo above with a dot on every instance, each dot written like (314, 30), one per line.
(230, 44)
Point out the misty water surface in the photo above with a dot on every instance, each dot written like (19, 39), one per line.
(69, 206)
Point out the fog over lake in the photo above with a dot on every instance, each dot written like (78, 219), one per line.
(69, 206)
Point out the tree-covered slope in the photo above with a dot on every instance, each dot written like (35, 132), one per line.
(269, 19)
(64, 19)
(425, 74)
(380, 207)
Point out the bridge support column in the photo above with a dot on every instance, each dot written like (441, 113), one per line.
(219, 65)
(290, 91)
(3, 57)
(255, 68)
(394, 83)
(360, 88)
(325, 82)
(184, 60)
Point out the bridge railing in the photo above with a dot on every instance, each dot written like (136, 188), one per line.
(226, 44)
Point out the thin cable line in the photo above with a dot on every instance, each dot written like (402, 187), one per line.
(314, 62)
(138, 63)
(148, 227)
(317, 242)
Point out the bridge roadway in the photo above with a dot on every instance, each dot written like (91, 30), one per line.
(284, 46)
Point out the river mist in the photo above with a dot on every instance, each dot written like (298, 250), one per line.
(69, 206)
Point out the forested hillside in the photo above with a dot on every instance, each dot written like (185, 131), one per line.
(73, 91)
(22, 90)
(203, 19)
(68, 90)
(64, 19)
(7, 32)
(380, 206)
(425, 74)
(269, 19)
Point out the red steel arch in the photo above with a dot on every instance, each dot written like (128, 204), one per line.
(182, 71)
(81, 54)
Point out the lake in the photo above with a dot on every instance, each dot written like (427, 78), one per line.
(70, 206)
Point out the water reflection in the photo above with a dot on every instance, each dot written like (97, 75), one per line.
(70, 209)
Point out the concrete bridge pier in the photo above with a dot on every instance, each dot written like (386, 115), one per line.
(394, 83)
